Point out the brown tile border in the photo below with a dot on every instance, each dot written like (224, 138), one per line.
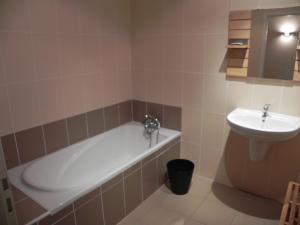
(169, 116)
(32, 143)
(77, 128)
(55, 135)
(10, 151)
(125, 191)
(95, 122)
(112, 118)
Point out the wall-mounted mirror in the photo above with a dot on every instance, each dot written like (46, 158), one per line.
(274, 39)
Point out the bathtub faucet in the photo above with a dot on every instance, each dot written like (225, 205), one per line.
(151, 124)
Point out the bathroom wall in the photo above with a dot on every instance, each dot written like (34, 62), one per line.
(60, 58)
(178, 58)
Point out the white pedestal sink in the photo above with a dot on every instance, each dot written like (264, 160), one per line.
(261, 134)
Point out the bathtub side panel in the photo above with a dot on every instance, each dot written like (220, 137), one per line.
(146, 176)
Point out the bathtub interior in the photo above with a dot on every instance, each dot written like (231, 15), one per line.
(131, 146)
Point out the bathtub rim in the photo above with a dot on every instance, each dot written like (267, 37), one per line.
(15, 174)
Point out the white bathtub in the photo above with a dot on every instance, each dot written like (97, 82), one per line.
(58, 179)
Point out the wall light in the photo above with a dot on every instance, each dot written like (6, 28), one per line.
(286, 34)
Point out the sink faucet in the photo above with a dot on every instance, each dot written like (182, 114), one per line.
(151, 124)
(266, 112)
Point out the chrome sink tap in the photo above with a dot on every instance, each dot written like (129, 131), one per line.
(151, 124)
(266, 112)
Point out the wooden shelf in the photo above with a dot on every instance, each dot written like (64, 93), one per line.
(238, 46)
(290, 214)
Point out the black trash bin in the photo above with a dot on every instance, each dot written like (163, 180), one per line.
(180, 172)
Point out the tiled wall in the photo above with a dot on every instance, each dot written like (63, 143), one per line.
(26, 145)
(178, 58)
(169, 116)
(60, 58)
(113, 200)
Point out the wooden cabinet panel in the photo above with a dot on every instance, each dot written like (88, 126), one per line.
(239, 34)
(240, 25)
(240, 15)
(239, 63)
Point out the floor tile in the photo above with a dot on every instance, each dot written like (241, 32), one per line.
(207, 203)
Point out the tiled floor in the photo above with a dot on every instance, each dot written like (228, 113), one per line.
(207, 203)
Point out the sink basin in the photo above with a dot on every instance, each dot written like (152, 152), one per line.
(276, 127)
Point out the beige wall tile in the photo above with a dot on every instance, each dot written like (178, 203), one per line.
(217, 22)
(17, 50)
(213, 131)
(276, 3)
(215, 53)
(191, 152)
(65, 41)
(51, 101)
(193, 89)
(173, 52)
(154, 86)
(210, 162)
(172, 88)
(239, 95)
(93, 92)
(46, 53)
(73, 94)
(244, 4)
(5, 114)
(173, 20)
(289, 102)
(193, 53)
(109, 89)
(264, 94)
(194, 17)
(140, 86)
(192, 125)
(124, 80)
(215, 90)
(24, 105)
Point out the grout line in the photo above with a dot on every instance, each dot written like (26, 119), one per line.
(60, 219)
(103, 117)
(102, 206)
(67, 131)
(20, 200)
(132, 172)
(44, 140)
(119, 113)
(74, 214)
(142, 184)
(17, 148)
(124, 195)
(86, 202)
(86, 125)
(2, 160)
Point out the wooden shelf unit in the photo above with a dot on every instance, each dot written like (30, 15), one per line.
(237, 55)
(290, 214)
(238, 46)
